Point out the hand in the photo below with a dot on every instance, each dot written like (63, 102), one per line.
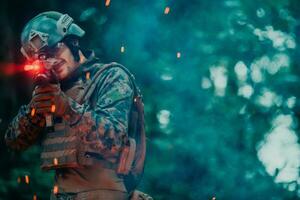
(49, 99)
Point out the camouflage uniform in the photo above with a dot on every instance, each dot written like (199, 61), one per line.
(83, 153)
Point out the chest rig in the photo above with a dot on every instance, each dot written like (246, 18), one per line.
(61, 144)
(64, 148)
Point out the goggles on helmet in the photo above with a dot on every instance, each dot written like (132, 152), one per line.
(38, 41)
(42, 53)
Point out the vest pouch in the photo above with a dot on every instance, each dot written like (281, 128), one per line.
(126, 158)
(60, 148)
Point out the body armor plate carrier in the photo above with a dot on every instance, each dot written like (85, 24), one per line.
(63, 147)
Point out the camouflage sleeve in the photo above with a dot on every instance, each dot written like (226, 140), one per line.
(23, 131)
(107, 123)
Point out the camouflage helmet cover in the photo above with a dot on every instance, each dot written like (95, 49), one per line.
(46, 30)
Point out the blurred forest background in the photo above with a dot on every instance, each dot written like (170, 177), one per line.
(220, 80)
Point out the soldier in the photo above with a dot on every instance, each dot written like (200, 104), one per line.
(87, 115)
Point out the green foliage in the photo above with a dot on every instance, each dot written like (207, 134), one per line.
(208, 112)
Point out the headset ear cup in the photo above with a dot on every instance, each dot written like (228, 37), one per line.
(75, 52)
(73, 44)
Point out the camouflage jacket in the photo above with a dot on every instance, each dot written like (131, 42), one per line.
(108, 115)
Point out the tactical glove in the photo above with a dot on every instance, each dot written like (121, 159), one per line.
(49, 99)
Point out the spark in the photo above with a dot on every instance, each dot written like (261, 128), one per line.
(107, 2)
(55, 189)
(53, 108)
(27, 179)
(167, 10)
(122, 49)
(55, 161)
(32, 112)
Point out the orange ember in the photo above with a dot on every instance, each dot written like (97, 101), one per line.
(53, 108)
(32, 112)
(55, 189)
(27, 179)
(55, 161)
(167, 10)
(107, 2)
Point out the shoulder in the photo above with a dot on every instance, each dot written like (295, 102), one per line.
(114, 84)
(114, 71)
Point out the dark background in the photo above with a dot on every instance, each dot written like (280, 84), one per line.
(222, 119)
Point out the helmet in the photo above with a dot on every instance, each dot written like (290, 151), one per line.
(45, 31)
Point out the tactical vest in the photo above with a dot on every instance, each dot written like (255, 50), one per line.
(63, 147)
